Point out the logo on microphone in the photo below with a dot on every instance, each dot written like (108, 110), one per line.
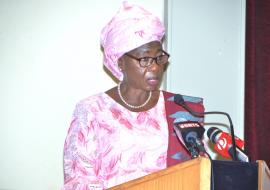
(188, 124)
(222, 144)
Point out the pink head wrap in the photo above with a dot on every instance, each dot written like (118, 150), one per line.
(131, 27)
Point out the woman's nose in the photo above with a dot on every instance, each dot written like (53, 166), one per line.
(154, 66)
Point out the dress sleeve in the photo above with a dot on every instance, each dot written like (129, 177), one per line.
(81, 163)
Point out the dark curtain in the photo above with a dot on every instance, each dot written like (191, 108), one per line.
(257, 80)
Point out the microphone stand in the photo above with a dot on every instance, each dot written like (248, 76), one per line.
(178, 99)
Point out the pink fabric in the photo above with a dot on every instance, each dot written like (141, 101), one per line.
(108, 145)
(130, 28)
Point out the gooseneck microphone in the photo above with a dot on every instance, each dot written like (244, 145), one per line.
(179, 100)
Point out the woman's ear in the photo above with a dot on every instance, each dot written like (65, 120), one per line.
(120, 63)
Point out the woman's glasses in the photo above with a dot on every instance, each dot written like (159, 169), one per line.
(147, 61)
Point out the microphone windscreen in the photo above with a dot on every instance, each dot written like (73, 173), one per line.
(178, 99)
(212, 133)
(188, 129)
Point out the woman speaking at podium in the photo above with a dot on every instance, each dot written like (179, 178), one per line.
(124, 133)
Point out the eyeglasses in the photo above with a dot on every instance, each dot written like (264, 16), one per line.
(147, 61)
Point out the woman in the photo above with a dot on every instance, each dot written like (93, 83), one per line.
(123, 134)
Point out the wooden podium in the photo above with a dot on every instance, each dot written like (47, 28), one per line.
(196, 175)
(263, 176)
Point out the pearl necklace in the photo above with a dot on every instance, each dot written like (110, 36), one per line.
(129, 105)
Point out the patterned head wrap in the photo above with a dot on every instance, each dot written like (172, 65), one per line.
(131, 27)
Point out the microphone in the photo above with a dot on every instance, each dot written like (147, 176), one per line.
(179, 100)
(190, 134)
(223, 144)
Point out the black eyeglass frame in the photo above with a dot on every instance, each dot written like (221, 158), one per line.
(152, 59)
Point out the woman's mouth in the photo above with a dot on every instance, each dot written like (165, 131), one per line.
(153, 81)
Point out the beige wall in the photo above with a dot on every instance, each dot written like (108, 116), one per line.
(207, 45)
(49, 59)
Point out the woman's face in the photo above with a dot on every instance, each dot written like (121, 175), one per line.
(144, 78)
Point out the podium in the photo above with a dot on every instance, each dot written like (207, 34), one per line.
(201, 174)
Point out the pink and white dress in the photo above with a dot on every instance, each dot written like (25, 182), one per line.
(107, 144)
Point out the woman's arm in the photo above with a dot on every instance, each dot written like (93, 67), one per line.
(80, 164)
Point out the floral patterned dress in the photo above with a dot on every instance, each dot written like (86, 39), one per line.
(107, 144)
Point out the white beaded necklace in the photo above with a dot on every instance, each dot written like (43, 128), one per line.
(129, 105)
